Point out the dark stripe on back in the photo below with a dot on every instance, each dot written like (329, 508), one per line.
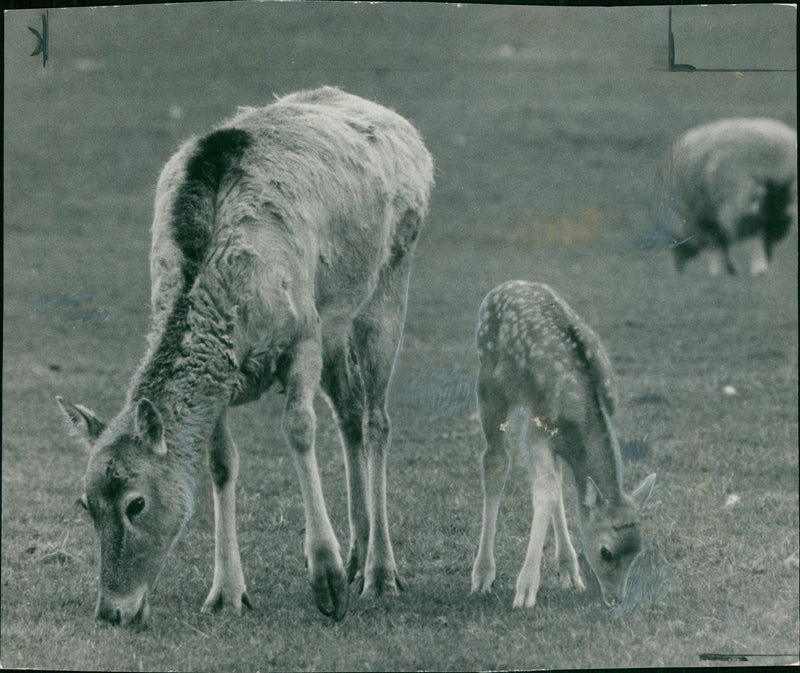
(218, 155)
(590, 367)
(580, 351)
(215, 160)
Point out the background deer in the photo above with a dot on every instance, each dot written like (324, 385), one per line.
(730, 180)
(535, 353)
(282, 244)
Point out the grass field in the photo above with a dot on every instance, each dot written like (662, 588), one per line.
(545, 124)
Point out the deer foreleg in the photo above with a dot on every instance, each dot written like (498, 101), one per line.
(227, 588)
(546, 493)
(567, 559)
(342, 383)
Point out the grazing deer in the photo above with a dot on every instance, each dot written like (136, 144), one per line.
(535, 353)
(730, 180)
(282, 244)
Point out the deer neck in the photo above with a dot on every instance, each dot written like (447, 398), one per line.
(187, 374)
(600, 459)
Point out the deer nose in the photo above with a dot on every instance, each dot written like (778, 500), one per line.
(110, 613)
(122, 610)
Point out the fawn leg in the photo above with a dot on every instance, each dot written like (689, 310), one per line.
(545, 489)
(567, 559)
(495, 466)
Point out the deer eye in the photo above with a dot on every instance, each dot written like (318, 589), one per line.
(135, 508)
(606, 554)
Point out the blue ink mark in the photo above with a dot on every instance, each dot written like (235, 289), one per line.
(449, 390)
(434, 532)
(463, 347)
(731, 620)
(635, 449)
(647, 581)
(97, 315)
(57, 300)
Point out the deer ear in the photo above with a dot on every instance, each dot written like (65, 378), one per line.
(594, 496)
(82, 421)
(644, 490)
(149, 426)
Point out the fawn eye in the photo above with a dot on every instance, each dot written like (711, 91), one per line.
(135, 508)
(606, 554)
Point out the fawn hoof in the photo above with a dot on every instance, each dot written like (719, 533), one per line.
(218, 599)
(524, 600)
(570, 577)
(481, 588)
(383, 582)
(526, 592)
(482, 579)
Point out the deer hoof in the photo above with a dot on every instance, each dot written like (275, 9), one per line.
(217, 600)
(331, 593)
(382, 582)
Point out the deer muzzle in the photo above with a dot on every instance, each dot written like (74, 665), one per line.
(123, 610)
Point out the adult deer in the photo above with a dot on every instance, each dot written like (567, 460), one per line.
(728, 181)
(282, 244)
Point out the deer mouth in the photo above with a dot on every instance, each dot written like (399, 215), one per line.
(120, 611)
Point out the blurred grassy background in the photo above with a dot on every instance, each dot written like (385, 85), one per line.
(544, 124)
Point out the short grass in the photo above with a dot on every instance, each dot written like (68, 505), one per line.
(544, 123)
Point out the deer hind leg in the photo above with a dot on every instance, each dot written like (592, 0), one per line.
(377, 332)
(734, 217)
(328, 578)
(376, 342)
(227, 588)
(495, 466)
(341, 381)
(568, 568)
(719, 259)
(545, 494)
(683, 252)
(756, 248)
(778, 215)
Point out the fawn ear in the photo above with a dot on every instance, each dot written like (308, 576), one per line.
(594, 496)
(149, 426)
(82, 421)
(644, 490)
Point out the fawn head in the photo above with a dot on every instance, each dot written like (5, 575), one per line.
(138, 497)
(611, 535)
